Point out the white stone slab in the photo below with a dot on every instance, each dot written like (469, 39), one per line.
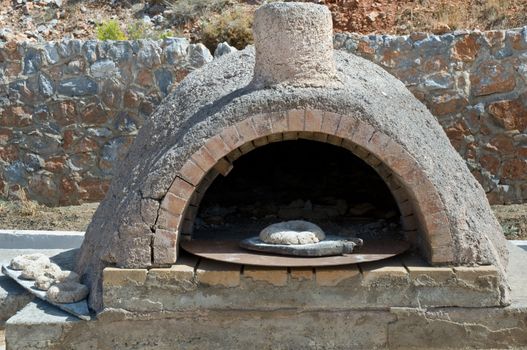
(79, 309)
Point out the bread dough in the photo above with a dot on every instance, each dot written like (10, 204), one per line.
(67, 292)
(292, 233)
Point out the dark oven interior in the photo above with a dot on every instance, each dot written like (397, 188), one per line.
(322, 183)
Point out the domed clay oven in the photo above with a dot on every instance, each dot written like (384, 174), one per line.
(292, 91)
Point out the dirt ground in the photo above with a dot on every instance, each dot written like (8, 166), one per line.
(36, 20)
(28, 215)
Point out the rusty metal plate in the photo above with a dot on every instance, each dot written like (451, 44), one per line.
(230, 251)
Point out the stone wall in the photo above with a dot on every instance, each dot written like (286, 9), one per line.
(69, 110)
(475, 84)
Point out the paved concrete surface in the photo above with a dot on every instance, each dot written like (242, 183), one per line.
(38, 239)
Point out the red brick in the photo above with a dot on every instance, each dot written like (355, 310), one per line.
(181, 188)
(330, 123)
(217, 147)
(346, 127)
(278, 137)
(173, 204)
(223, 166)
(203, 159)
(362, 134)
(259, 142)
(231, 137)
(191, 173)
(313, 120)
(246, 130)
(295, 119)
(262, 124)
(167, 220)
(279, 122)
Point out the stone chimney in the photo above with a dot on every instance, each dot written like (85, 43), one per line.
(294, 45)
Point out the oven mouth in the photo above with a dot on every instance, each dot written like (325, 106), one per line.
(299, 180)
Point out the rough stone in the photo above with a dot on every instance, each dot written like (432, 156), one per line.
(103, 69)
(78, 86)
(294, 44)
(223, 49)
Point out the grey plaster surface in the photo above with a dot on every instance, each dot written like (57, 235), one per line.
(516, 275)
(31, 239)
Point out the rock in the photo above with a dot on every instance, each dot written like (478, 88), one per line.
(223, 49)
(32, 61)
(199, 55)
(103, 69)
(292, 232)
(149, 54)
(176, 50)
(492, 77)
(333, 245)
(78, 86)
(164, 80)
(45, 85)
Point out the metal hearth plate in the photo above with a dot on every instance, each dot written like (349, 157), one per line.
(231, 252)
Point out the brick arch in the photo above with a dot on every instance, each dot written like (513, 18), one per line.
(424, 218)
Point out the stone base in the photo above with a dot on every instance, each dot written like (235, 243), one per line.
(41, 326)
(202, 284)
(38, 327)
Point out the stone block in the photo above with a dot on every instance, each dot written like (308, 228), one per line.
(275, 276)
(181, 271)
(217, 274)
(302, 274)
(116, 277)
(332, 276)
(472, 274)
(383, 270)
(422, 273)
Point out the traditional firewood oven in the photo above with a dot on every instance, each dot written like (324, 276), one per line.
(292, 129)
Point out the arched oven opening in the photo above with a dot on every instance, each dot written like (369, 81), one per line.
(298, 180)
